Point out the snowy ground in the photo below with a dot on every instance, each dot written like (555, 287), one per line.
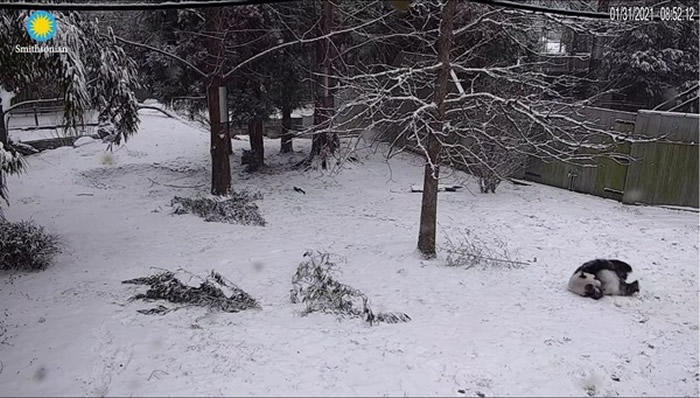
(495, 331)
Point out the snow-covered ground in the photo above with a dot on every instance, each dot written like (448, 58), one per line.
(493, 331)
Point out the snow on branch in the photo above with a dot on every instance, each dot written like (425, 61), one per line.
(11, 162)
(302, 40)
(503, 105)
(543, 9)
(94, 73)
(166, 53)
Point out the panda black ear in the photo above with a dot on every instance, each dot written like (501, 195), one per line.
(582, 276)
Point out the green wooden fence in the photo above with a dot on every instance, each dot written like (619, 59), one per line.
(663, 172)
(666, 171)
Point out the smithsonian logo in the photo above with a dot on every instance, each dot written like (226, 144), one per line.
(41, 27)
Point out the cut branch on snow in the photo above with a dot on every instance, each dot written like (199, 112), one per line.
(209, 294)
(314, 285)
(239, 208)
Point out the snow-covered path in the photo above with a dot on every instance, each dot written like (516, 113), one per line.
(496, 331)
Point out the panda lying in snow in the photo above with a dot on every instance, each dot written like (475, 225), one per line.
(601, 277)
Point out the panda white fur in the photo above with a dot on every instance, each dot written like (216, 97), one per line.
(601, 277)
(586, 285)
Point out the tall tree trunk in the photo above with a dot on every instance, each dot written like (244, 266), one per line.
(286, 143)
(323, 144)
(3, 140)
(428, 213)
(257, 143)
(3, 130)
(220, 161)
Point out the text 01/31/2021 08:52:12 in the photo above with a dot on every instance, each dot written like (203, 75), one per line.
(636, 13)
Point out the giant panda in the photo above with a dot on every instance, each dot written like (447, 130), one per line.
(600, 277)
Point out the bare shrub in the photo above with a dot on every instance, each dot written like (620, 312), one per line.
(496, 164)
(470, 250)
(493, 150)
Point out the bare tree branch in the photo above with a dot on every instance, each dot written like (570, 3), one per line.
(158, 50)
(303, 41)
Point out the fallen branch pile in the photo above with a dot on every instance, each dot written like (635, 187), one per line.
(314, 285)
(239, 208)
(209, 294)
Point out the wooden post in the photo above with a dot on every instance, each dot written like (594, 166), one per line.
(223, 111)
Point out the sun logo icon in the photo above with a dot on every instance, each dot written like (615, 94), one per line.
(41, 26)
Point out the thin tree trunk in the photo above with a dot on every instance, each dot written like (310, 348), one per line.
(428, 214)
(594, 70)
(255, 136)
(286, 143)
(598, 42)
(220, 161)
